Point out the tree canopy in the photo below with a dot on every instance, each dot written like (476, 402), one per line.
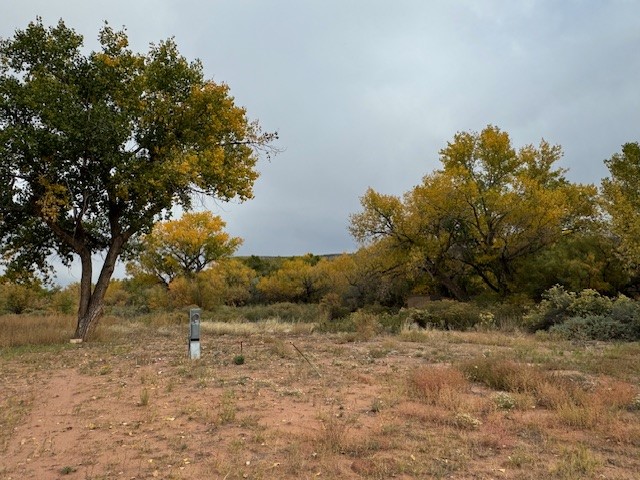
(97, 147)
(185, 246)
(621, 192)
(472, 223)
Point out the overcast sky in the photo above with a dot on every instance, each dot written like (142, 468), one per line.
(366, 92)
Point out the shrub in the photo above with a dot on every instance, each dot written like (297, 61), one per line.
(392, 323)
(446, 315)
(504, 400)
(344, 324)
(366, 324)
(589, 302)
(625, 310)
(551, 310)
(333, 307)
(284, 311)
(503, 375)
(587, 315)
(65, 301)
(597, 327)
(508, 315)
(434, 384)
(15, 298)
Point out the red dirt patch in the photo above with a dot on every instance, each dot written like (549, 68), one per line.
(143, 410)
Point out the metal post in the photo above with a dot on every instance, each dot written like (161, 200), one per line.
(194, 333)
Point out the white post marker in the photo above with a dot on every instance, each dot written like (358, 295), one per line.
(194, 333)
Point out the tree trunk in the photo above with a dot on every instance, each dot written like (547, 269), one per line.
(452, 287)
(91, 302)
(436, 273)
(85, 283)
(88, 321)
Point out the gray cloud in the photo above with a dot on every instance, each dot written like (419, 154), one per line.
(365, 93)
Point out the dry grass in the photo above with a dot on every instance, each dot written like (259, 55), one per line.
(17, 330)
(423, 404)
(438, 385)
(269, 326)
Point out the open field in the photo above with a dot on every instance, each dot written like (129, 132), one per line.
(422, 404)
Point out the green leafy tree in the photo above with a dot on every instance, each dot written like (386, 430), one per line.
(470, 225)
(185, 246)
(621, 192)
(578, 262)
(97, 147)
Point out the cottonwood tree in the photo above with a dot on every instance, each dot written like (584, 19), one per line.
(96, 147)
(183, 247)
(621, 191)
(228, 282)
(474, 221)
(297, 280)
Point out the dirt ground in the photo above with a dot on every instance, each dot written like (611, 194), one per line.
(300, 406)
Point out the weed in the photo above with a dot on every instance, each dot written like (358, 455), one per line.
(520, 458)
(504, 400)
(171, 383)
(238, 359)
(378, 352)
(12, 411)
(420, 414)
(228, 408)
(278, 348)
(580, 416)
(271, 326)
(414, 335)
(16, 330)
(466, 421)
(576, 463)
(434, 385)
(502, 374)
(144, 398)
(615, 395)
(367, 325)
(249, 421)
(332, 436)
(376, 405)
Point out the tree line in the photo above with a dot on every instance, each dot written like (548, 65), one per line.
(98, 148)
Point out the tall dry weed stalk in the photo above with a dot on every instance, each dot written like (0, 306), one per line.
(20, 330)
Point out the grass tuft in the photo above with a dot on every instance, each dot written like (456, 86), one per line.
(437, 385)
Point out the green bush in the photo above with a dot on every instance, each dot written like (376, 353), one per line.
(64, 301)
(508, 316)
(343, 324)
(392, 323)
(597, 327)
(587, 315)
(558, 305)
(16, 298)
(625, 310)
(366, 322)
(551, 310)
(589, 302)
(333, 307)
(446, 315)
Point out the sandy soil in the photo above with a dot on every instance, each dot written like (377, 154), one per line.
(141, 409)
